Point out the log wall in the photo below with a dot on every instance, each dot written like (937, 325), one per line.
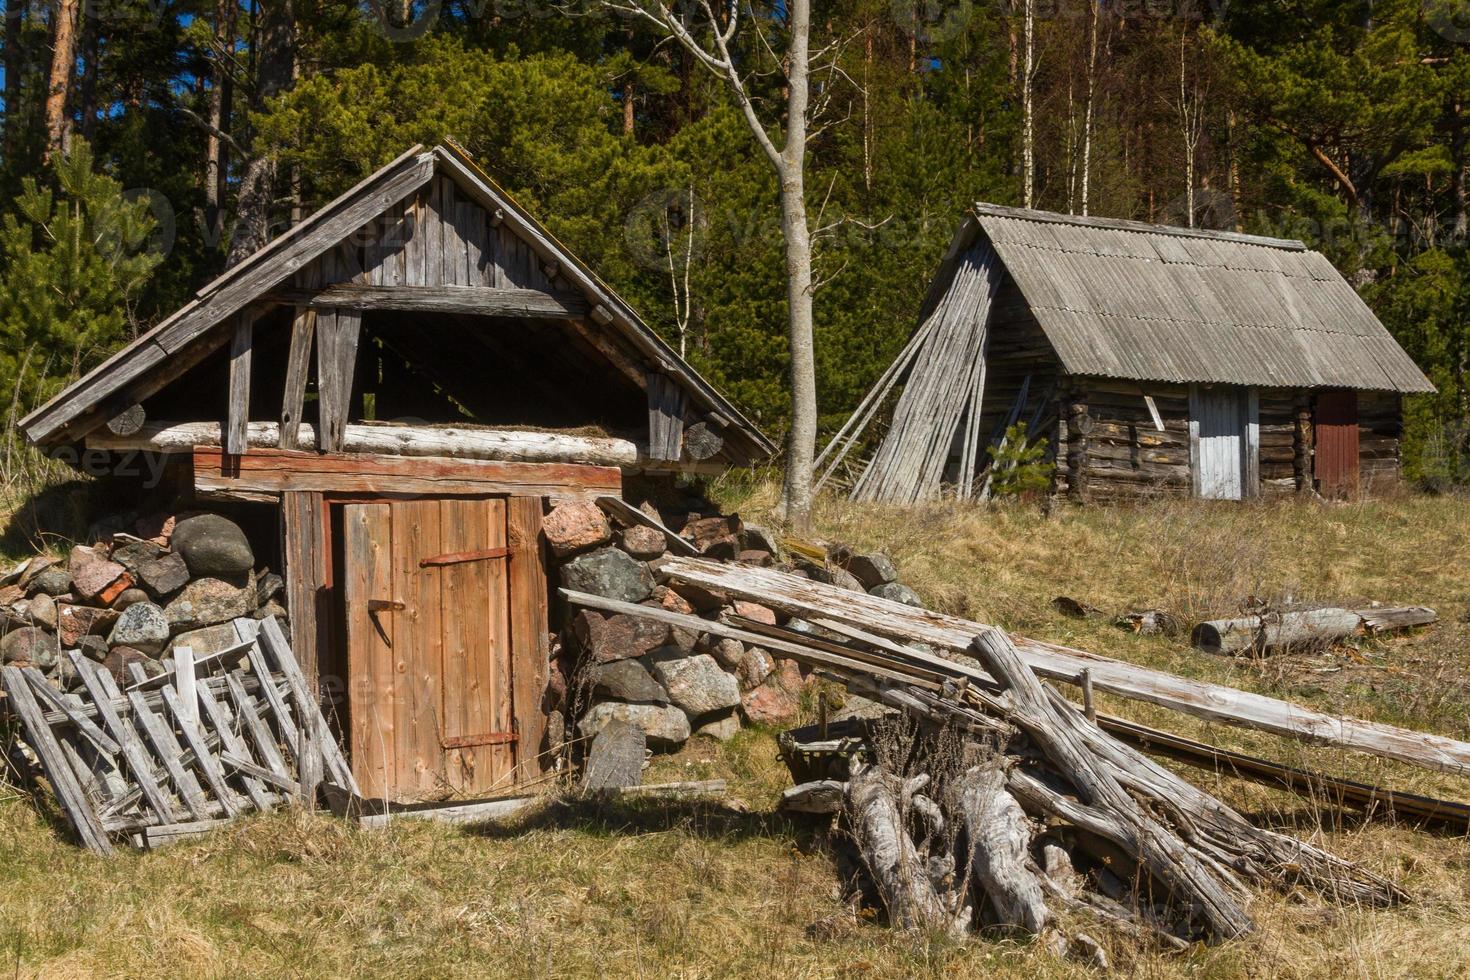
(1110, 448)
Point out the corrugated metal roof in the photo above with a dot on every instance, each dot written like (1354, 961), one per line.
(1123, 299)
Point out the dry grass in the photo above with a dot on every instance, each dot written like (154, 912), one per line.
(705, 890)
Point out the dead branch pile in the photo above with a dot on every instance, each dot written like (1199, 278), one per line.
(1045, 813)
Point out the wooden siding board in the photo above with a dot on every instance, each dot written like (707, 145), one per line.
(529, 625)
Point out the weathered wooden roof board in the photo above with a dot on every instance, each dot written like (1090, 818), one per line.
(1123, 299)
(203, 325)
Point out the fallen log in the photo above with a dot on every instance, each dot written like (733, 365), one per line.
(1000, 844)
(1305, 630)
(807, 599)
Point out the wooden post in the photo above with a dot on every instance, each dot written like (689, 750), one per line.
(298, 363)
(1301, 460)
(529, 621)
(336, 361)
(1079, 423)
(306, 551)
(239, 410)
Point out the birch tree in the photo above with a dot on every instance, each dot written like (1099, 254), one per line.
(710, 36)
(1028, 82)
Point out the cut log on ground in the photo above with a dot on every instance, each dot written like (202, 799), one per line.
(1306, 630)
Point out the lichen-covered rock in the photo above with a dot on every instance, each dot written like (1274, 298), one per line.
(610, 573)
(721, 729)
(164, 575)
(267, 587)
(210, 639)
(32, 569)
(213, 546)
(42, 610)
(32, 645)
(93, 647)
(755, 612)
(206, 601)
(142, 626)
(898, 592)
(727, 652)
(135, 554)
(605, 639)
(643, 542)
(872, 569)
(626, 680)
(53, 581)
(665, 726)
(129, 597)
(574, 526)
(770, 704)
(696, 684)
(754, 667)
(667, 598)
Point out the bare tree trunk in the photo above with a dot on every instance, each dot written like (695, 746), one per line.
(1234, 171)
(214, 149)
(58, 86)
(867, 108)
(796, 497)
(258, 179)
(1028, 76)
(630, 89)
(1087, 114)
(1460, 174)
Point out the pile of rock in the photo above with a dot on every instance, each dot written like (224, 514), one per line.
(669, 682)
(130, 597)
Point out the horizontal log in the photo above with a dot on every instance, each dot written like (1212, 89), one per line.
(471, 300)
(1312, 627)
(808, 599)
(390, 440)
(274, 471)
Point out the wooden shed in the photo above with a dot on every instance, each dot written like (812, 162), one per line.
(410, 376)
(1153, 360)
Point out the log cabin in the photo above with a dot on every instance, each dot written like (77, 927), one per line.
(1153, 360)
(406, 381)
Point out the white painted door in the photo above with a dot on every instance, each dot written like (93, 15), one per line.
(1219, 418)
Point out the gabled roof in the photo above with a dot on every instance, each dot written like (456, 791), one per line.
(201, 326)
(1123, 299)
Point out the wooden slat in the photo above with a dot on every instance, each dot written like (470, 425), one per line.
(529, 623)
(337, 335)
(253, 725)
(166, 748)
(371, 665)
(418, 635)
(216, 715)
(304, 543)
(298, 366)
(193, 732)
(52, 699)
(813, 600)
(74, 801)
(290, 735)
(241, 347)
(266, 471)
(273, 644)
(103, 691)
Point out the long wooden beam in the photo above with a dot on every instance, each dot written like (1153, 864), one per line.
(512, 445)
(809, 600)
(472, 300)
(275, 471)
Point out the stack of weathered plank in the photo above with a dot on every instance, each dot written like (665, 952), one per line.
(1001, 802)
(173, 755)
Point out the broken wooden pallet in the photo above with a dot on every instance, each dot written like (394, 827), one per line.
(211, 739)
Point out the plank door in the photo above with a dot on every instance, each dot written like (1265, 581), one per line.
(1222, 434)
(427, 592)
(1335, 465)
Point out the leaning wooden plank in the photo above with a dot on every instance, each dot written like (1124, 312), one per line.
(625, 512)
(52, 699)
(273, 643)
(808, 599)
(193, 732)
(277, 779)
(69, 793)
(251, 722)
(166, 749)
(176, 833)
(103, 690)
(276, 471)
(224, 726)
(388, 440)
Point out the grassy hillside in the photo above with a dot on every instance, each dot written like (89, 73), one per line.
(714, 890)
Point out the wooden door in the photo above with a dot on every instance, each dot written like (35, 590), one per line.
(1335, 464)
(428, 601)
(1218, 430)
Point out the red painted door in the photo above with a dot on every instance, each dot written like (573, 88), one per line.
(1336, 462)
